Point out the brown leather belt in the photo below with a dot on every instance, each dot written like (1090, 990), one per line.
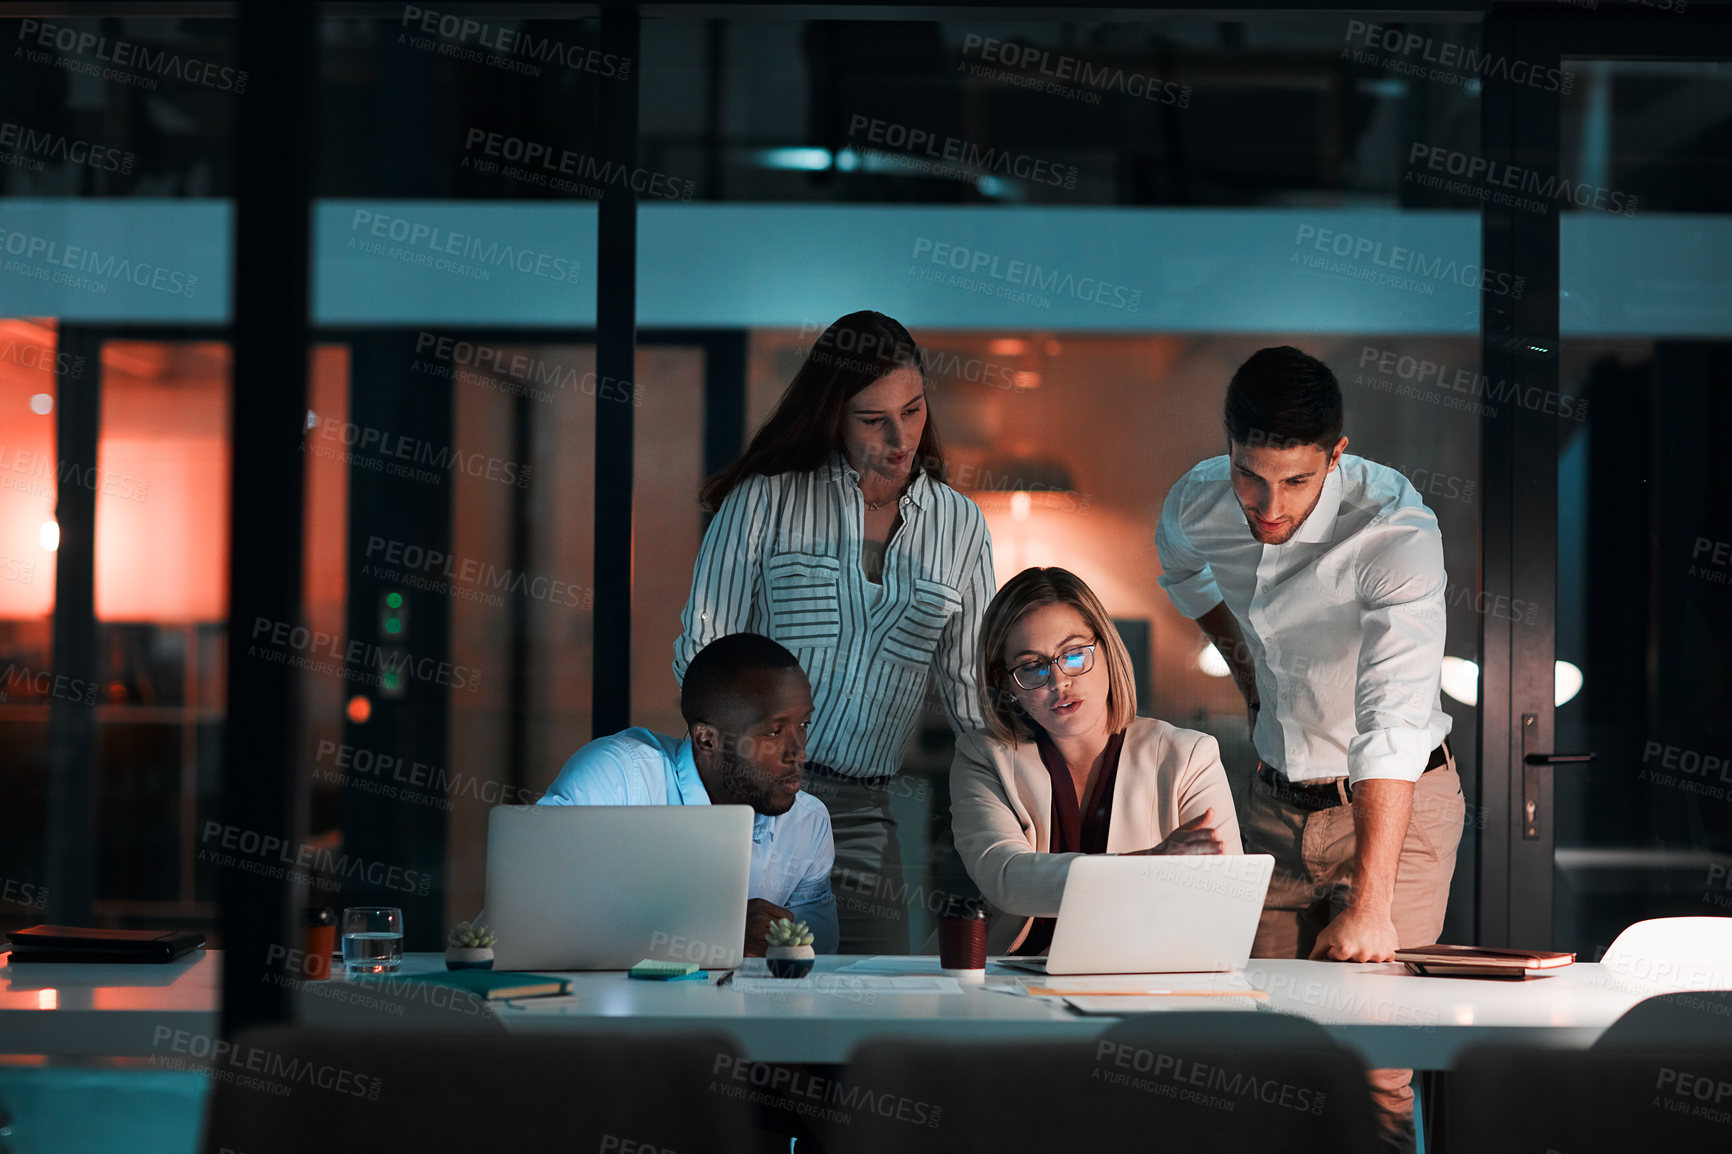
(1327, 794)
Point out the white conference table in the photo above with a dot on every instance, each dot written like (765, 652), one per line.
(1390, 1017)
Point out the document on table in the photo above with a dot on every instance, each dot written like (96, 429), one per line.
(1119, 994)
(1224, 987)
(848, 985)
(893, 964)
(907, 964)
(1116, 1005)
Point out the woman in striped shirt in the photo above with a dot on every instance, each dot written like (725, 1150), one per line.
(836, 535)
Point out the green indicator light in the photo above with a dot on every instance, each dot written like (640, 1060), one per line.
(393, 625)
(391, 680)
(394, 600)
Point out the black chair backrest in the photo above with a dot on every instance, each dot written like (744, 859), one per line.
(1703, 1016)
(1239, 1027)
(294, 1090)
(1130, 1090)
(1527, 1100)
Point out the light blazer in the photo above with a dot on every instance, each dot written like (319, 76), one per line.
(1001, 814)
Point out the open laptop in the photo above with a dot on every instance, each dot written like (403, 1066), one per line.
(579, 887)
(1192, 913)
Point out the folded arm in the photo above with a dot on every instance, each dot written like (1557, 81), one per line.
(996, 849)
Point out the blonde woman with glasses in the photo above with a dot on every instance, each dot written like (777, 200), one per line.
(1065, 766)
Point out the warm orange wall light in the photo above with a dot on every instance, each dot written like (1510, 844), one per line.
(161, 477)
(27, 352)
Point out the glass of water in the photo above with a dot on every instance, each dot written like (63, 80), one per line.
(372, 939)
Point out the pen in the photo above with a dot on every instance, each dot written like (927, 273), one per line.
(725, 979)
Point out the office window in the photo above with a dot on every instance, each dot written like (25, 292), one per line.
(1088, 225)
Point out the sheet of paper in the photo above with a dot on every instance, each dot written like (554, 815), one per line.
(1013, 988)
(893, 964)
(906, 964)
(848, 985)
(1131, 1004)
(1217, 995)
(1144, 984)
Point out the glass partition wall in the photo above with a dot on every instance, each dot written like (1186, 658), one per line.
(1087, 224)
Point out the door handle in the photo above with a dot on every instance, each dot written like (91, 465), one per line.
(1533, 762)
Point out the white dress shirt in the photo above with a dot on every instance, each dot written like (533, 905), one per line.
(792, 853)
(1345, 621)
(782, 558)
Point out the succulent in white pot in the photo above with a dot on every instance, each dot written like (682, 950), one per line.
(788, 949)
(470, 948)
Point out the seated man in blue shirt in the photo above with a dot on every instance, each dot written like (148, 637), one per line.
(746, 703)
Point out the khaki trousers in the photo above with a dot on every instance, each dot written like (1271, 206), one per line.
(1313, 882)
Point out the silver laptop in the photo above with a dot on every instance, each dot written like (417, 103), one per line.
(577, 887)
(1190, 913)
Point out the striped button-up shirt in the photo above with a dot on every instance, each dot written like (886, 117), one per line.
(782, 558)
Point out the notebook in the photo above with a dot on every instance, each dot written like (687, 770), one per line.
(79, 944)
(1480, 961)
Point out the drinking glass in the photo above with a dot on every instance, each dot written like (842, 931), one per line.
(372, 939)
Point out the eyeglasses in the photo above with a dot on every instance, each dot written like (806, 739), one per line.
(1073, 662)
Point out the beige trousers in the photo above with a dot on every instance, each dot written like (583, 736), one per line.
(1313, 882)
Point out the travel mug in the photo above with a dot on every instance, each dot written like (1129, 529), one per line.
(962, 938)
(321, 940)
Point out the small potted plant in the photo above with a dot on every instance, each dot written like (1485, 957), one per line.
(788, 949)
(470, 948)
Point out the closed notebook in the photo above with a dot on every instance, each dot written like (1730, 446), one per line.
(79, 944)
(1480, 961)
(489, 984)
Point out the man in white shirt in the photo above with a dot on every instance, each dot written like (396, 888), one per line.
(747, 706)
(1319, 576)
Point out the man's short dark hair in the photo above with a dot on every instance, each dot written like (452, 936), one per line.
(710, 692)
(1283, 399)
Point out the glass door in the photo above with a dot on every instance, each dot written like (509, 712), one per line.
(1644, 550)
(1607, 534)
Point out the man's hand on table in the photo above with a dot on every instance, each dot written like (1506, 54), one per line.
(759, 915)
(1357, 935)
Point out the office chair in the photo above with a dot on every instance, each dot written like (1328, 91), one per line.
(1528, 1100)
(1138, 1087)
(1696, 1018)
(1674, 953)
(289, 1090)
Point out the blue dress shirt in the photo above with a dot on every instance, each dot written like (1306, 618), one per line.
(791, 853)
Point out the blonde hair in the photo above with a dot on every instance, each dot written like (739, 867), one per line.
(1021, 595)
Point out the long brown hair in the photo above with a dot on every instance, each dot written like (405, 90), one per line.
(806, 426)
(1019, 597)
